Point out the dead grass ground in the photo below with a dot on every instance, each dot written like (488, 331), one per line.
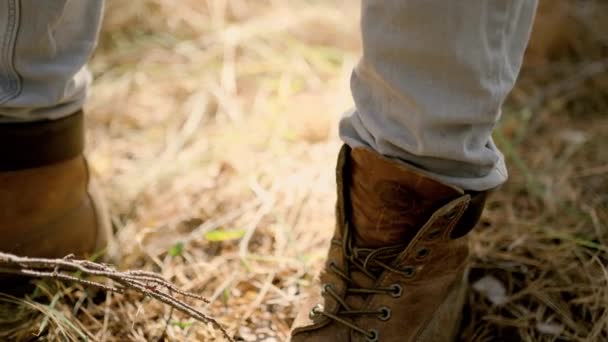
(212, 127)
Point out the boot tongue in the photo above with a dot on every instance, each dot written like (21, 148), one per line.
(389, 201)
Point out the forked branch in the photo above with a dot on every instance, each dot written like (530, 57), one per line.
(143, 282)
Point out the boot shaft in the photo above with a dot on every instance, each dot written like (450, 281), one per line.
(47, 202)
(390, 200)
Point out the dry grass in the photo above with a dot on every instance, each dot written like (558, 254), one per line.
(212, 127)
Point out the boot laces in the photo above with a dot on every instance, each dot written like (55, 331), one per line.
(371, 262)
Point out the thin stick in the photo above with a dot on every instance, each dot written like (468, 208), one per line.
(143, 282)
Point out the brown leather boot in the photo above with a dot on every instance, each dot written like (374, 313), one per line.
(396, 268)
(48, 205)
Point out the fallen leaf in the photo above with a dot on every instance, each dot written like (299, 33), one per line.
(219, 235)
(492, 288)
(549, 328)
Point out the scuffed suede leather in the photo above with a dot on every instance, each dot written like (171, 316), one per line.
(52, 211)
(392, 205)
(391, 200)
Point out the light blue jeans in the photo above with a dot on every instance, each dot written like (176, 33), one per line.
(45, 48)
(428, 89)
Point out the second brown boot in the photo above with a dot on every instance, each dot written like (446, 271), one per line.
(396, 267)
(48, 204)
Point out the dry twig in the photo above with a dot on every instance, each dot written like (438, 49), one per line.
(143, 282)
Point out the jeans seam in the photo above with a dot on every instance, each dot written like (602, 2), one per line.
(10, 87)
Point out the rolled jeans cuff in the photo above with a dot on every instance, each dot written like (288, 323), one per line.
(456, 173)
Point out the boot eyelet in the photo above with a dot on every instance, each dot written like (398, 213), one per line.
(384, 313)
(326, 288)
(315, 311)
(397, 290)
(433, 234)
(409, 271)
(422, 253)
(372, 336)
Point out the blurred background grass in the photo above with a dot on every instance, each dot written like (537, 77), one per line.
(212, 127)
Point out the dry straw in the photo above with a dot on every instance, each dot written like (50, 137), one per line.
(212, 127)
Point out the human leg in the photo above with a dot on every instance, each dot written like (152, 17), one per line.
(45, 49)
(415, 170)
(49, 207)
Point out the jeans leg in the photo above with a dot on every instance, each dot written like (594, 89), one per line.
(45, 46)
(431, 81)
